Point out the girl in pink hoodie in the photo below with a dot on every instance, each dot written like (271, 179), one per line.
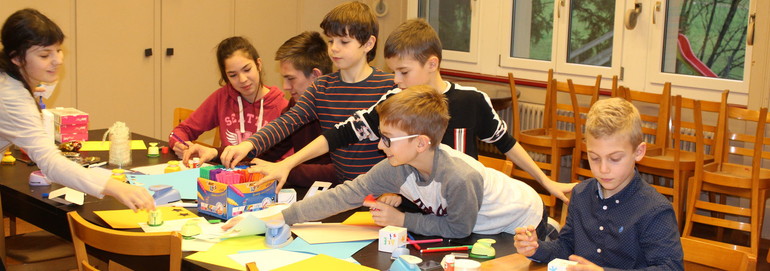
(239, 108)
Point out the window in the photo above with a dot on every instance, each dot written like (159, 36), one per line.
(700, 46)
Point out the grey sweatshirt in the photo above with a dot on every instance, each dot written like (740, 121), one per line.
(459, 198)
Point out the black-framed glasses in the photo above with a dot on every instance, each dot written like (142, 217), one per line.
(387, 140)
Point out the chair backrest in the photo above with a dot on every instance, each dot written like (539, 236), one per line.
(713, 255)
(577, 105)
(502, 165)
(683, 131)
(653, 124)
(743, 146)
(122, 242)
(181, 114)
(516, 125)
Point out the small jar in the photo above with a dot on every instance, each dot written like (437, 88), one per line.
(153, 150)
(119, 174)
(155, 218)
(173, 166)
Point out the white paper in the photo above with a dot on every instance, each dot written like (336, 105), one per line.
(210, 233)
(252, 223)
(269, 259)
(70, 196)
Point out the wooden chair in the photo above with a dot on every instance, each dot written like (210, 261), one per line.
(122, 242)
(708, 254)
(727, 178)
(181, 114)
(504, 166)
(556, 139)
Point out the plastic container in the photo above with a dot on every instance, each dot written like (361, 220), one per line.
(173, 166)
(119, 174)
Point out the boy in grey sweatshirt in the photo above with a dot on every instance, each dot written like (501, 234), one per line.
(457, 194)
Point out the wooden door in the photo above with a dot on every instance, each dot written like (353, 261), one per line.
(115, 78)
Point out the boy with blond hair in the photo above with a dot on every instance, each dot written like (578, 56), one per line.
(413, 51)
(615, 220)
(352, 29)
(457, 194)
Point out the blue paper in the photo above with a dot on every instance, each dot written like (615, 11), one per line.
(341, 250)
(186, 181)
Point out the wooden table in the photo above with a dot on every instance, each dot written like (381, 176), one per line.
(26, 202)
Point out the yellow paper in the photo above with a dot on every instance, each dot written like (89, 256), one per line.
(105, 145)
(323, 262)
(127, 219)
(335, 232)
(217, 254)
(360, 218)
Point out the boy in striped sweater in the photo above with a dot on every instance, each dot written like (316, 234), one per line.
(413, 51)
(352, 29)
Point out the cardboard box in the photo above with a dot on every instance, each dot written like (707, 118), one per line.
(72, 128)
(61, 138)
(68, 116)
(226, 201)
(391, 238)
(560, 264)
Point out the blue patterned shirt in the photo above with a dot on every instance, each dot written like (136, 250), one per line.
(634, 229)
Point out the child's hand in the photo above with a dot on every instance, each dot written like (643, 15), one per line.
(390, 199)
(180, 148)
(134, 197)
(271, 171)
(384, 214)
(232, 222)
(525, 241)
(583, 264)
(203, 153)
(232, 155)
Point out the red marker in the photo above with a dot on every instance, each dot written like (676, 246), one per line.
(370, 199)
(445, 249)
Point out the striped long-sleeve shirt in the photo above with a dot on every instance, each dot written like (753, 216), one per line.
(331, 100)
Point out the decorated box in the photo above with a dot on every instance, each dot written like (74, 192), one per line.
(228, 200)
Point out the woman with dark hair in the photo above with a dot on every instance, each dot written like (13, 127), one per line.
(31, 55)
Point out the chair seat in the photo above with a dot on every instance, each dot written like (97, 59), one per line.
(735, 175)
(542, 137)
(38, 246)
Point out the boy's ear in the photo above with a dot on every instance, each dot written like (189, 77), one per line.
(16, 61)
(423, 143)
(432, 63)
(640, 151)
(315, 74)
(370, 43)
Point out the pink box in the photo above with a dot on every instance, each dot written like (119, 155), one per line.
(72, 128)
(68, 116)
(71, 137)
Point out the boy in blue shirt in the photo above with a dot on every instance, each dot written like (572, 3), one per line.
(615, 220)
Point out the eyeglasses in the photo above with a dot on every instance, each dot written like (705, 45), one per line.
(387, 140)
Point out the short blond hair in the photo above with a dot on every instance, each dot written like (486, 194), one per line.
(615, 116)
(417, 110)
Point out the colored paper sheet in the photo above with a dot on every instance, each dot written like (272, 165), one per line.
(127, 219)
(185, 181)
(217, 254)
(160, 168)
(334, 232)
(363, 218)
(269, 259)
(323, 262)
(340, 250)
(105, 145)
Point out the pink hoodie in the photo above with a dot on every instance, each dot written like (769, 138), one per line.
(221, 110)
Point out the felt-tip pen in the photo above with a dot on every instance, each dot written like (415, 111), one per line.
(445, 249)
(179, 139)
